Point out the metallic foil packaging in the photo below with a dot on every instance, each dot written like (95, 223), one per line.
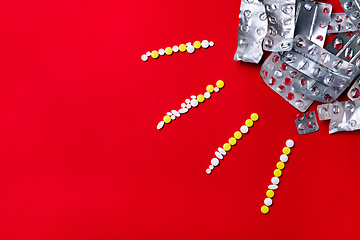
(351, 8)
(354, 92)
(340, 22)
(252, 29)
(306, 122)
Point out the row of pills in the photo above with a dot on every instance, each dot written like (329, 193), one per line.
(190, 48)
(221, 152)
(188, 104)
(277, 173)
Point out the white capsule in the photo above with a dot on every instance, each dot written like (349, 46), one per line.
(148, 53)
(211, 167)
(183, 105)
(188, 106)
(222, 151)
(190, 49)
(268, 201)
(187, 101)
(193, 97)
(284, 158)
(211, 43)
(175, 48)
(244, 129)
(215, 162)
(169, 114)
(160, 125)
(183, 110)
(194, 103)
(176, 113)
(144, 57)
(216, 89)
(208, 171)
(173, 117)
(273, 187)
(275, 180)
(205, 43)
(290, 143)
(207, 95)
(218, 155)
(161, 52)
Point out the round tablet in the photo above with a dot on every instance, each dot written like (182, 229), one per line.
(167, 119)
(249, 123)
(188, 106)
(144, 57)
(197, 44)
(284, 158)
(238, 135)
(273, 187)
(215, 162)
(154, 54)
(216, 89)
(168, 51)
(205, 43)
(222, 151)
(270, 193)
(161, 51)
(227, 147)
(218, 155)
(173, 117)
(254, 117)
(275, 180)
(148, 53)
(182, 47)
(211, 44)
(160, 125)
(190, 49)
(200, 98)
(183, 110)
(220, 83)
(183, 105)
(210, 88)
(211, 167)
(286, 150)
(194, 103)
(207, 95)
(232, 141)
(208, 171)
(244, 129)
(280, 165)
(268, 201)
(277, 173)
(265, 209)
(175, 48)
(290, 143)
(187, 100)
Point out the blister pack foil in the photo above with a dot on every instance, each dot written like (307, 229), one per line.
(252, 29)
(339, 23)
(306, 122)
(281, 25)
(354, 92)
(351, 8)
(280, 77)
(312, 19)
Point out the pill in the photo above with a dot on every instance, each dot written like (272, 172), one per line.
(182, 47)
(290, 143)
(176, 113)
(200, 98)
(167, 119)
(218, 155)
(187, 100)
(254, 117)
(183, 105)
(237, 135)
(193, 96)
(232, 141)
(169, 114)
(249, 123)
(188, 44)
(286, 150)
(280, 165)
(216, 89)
(161, 51)
(175, 48)
(160, 125)
(183, 110)
(284, 158)
(194, 103)
(205, 43)
(270, 193)
(268, 201)
(227, 147)
(277, 173)
(220, 83)
(210, 88)
(168, 51)
(207, 95)
(273, 187)
(211, 44)
(215, 162)
(264, 209)
(190, 49)
(211, 167)
(208, 171)
(275, 180)
(173, 117)
(148, 53)
(222, 151)
(144, 57)
(188, 106)
(154, 54)
(197, 44)
(244, 129)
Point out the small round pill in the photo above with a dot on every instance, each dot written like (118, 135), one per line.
(218, 155)
(277, 173)
(222, 151)
(173, 117)
(167, 119)
(207, 95)
(183, 105)
(210, 88)
(188, 106)
(154, 54)
(265, 209)
(194, 103)
(280, 165)
(215, 162)
(182, 47)
(227, 147)
(254, 117)
(284, 158)
(161, 51)
(144, 57)
(200, 98)
(175, 48)
(211, 44)
(197, 44)
(160, 125)
(249, 123)
(290, 143)
(211, 167)
(286, 150)
(268, 201)
(148, 53)
(168, 51)
(244, 129)
(208, 171)
(190, 49)
(275, 180)
(216, 89)
(232, 141)
(187, 101)
(273, 187)
(238, 135)
(220, 83)
(205, 43)
(270, 193)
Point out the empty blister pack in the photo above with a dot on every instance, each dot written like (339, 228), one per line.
(281, 24)
(280, 77)
(351, 8)
(252, 30)
(354, 92)
(340, 22)
(306, 122)
(312, 19)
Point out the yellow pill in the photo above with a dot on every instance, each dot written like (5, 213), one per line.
(254, 117)
(182, 47)
(167, 119)
(286, 150)
(220, 83)
(227, 147)
(210, 88)
(277, 173)
(264, 209)
(200, 98)
(280, 165)
(197, 44)
(232, 141)
(249, 123)
(270, 193)
(238, 135)
(154, 54)
(168, 51)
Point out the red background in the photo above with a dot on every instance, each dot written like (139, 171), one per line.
(80, 156)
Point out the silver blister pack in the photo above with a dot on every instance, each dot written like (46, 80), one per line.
(351, 8)
(306, 122)
(281, 25)
(280, 77)
(312, 19)
(252, 29)
(354, 92)
(340, 22)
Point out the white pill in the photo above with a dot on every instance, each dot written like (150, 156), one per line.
(222, 151)
(188, 106)
(173, 117)
(273, 187)
(160, 125)
(194, 103)
(268, 201)
(148, 53)
(183, 105)
(208, 171)
(215, 162)
(176, 113)
(175, 48)
(284, 158)
(187, 101)
(211, 167)
(275, 180)
(169, 114)
(218, 155)
(211, 43)
(188, 44)
(207, 95)
(216, 89)
(183, 110)
(205, 43)
(193, 96)
(290, 143)
(244, 129)
(144, 57)
(161, 51)
(190, 49)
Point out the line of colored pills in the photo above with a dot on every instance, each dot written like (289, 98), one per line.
(221, 152)
(188, 104)
(190, 48)
(277, 174)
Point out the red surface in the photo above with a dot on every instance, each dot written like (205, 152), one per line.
(80, 156)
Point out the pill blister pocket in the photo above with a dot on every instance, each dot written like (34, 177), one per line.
(351, 8)
(306, 122)
(339, 23)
